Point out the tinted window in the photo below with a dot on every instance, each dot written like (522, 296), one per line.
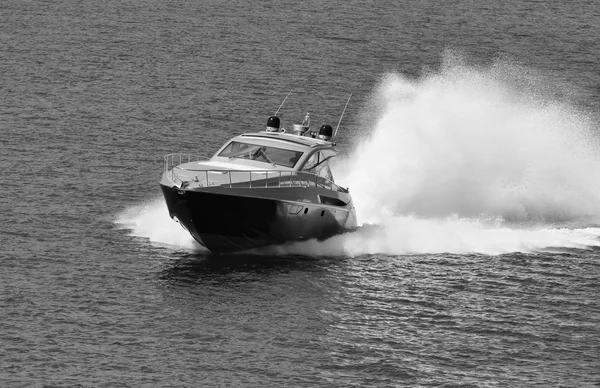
(318, 164)
(266, 154)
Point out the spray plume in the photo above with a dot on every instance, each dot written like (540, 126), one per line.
(475, 142)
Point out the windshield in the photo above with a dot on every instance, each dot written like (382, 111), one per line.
(272, 155)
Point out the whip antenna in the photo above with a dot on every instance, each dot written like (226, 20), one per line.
(282, 102)
(339, 122)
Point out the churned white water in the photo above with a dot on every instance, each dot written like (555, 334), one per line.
(151, 220)
(475, 142)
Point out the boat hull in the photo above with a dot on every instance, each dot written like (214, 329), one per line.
(226, 221)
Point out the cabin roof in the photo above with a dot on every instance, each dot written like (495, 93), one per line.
(304, 141)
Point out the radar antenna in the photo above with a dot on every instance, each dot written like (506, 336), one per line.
(283, 102)
(339, 122)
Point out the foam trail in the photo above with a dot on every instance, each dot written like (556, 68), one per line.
(410, 235)
(151, 220)
(394, 236)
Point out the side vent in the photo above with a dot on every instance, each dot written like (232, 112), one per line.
(331, 201)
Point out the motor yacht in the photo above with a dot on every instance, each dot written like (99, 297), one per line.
(264, 188)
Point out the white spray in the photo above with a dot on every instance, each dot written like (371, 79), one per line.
(151, 220)
(475, 143)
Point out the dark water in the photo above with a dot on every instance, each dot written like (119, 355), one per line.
(473, 166)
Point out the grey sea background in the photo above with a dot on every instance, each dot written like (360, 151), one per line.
(470, 145)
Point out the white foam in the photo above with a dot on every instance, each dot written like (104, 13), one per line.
(151, 220)
(410, 235)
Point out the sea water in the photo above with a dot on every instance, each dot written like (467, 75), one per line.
(470, 146)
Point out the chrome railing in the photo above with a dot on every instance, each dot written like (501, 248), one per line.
(191, 177)
(173, 160)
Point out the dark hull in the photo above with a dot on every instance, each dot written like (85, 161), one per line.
(227, 223)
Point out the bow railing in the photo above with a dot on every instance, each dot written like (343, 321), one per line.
(189, 177)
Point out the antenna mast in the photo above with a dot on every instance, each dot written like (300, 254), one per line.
(339, 122)
(283, 102)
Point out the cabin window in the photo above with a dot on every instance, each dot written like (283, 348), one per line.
(318, 164)
(266, 154)
(312, 161)
(325, 172)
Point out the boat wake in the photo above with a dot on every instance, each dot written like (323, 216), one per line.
(396, 235)
(411, 235)
(468, 159)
